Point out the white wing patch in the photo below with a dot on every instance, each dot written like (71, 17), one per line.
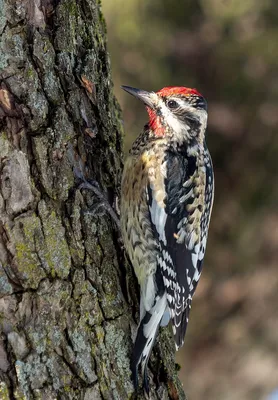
(156, 314)
(166, 317)
(158, 217)
(148, 291)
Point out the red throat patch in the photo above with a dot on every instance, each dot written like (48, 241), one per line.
(155, 123)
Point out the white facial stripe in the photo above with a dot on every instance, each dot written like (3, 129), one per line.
(180, 127)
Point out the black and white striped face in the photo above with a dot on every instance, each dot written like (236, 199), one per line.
(177, 112)
(185, 116)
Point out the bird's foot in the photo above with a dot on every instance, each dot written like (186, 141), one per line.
(104, 207)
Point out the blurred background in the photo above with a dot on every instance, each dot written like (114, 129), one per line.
(228, 50)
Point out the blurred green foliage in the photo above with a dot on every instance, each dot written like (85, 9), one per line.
(228, 50)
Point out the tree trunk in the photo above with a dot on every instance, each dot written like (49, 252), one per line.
(68, 298)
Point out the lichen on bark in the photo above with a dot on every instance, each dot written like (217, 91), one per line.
(68, 302)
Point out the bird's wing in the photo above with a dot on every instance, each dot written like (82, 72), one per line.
(180, 224)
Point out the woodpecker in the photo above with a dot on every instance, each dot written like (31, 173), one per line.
(166, 201)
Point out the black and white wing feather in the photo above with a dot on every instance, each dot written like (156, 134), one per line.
(181, 227)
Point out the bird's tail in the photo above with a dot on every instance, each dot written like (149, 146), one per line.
(179, 325)
(146, 334)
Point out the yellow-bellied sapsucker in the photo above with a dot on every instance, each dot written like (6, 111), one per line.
(167, 197)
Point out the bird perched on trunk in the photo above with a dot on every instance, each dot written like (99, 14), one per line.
(167, 197)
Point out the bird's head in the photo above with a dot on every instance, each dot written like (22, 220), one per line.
(177, 112)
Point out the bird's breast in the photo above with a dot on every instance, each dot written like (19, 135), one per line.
(139, 173)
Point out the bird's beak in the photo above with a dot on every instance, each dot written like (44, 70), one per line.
(148, 98)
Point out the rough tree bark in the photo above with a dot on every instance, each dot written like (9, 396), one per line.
(68, 298)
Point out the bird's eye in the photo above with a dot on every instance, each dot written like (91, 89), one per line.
(172, 104)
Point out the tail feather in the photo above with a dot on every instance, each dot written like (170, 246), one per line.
(179, 324)
(146, 334)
